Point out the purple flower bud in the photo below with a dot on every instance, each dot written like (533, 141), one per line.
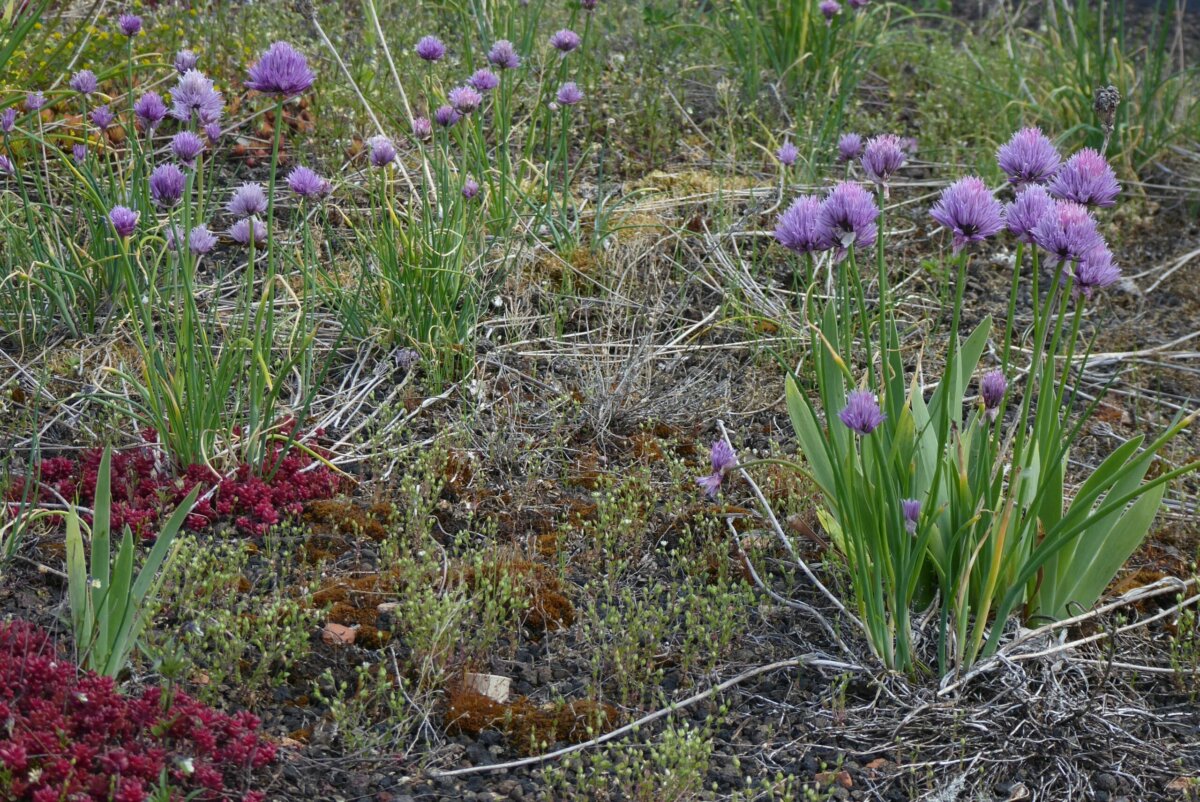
(882, 157)
(588, 5)
(565, 40)
(282, 71)
(1067, 233)
(166, 184)
(383, 152)
(969, 210)
(194, 94)
(84, 82)
(34, 101)
(8, 120)
(1031, 205)
(1086, 178)
(858, 5)
(1028, 158)
(150, 109)
(830, 9)
(464, 99)
(201, 240)
(124, 220)
(470, 189)
(307, 184)
(6, 165)
(801, 229)
(849, 213)
(992, 387)
(446, 116)
(569, 94)
(187, 146)
(213, 132)
(130, 24)
(248, 199)
(79, 153)
(484, 80)
(787, 154)
(185, 60)
(503, 56)
(431, 49)
(850, 147)
(102, 117)
(862, 413)
(912, 514)
(1096, 271)
(723, 460)
(422, 128)
(239, 232)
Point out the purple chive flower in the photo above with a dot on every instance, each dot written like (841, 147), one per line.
(6, 165)
(34, 101)
(470, 189)
(282, 71)
(185, 60)
(79, 153)
(911, 508)
(565, 40)
(383, 152)
(801, 229)
(130, 24)
(431, 49)
(992, 387)
(1086, 178)
(848, 213)
(1028, 158)
(213, 132)
(1096, 271)
(124, 220)
(187, 146)
(464, 99)
(194, 94)
(969, 210)
(422, 128)
(862, 413)
(1031, 205)
(8, 120)
(830, 9)
(882, 157)
(787, 153)
(166, 184)
(723, 460)
(484, 80)
(446, 116)
(569, 94)
(103, 117)
(589, 5)
(307, 184)
(1067, 233)
(150, 109)
(201, 240)
(858, 5)
(248, 199)
(239, 232)
(503, 56)
(84, 82)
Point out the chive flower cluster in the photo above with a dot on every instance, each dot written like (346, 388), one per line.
(844, 218)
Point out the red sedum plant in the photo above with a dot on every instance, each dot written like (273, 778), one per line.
(144, 488)
(70, 735)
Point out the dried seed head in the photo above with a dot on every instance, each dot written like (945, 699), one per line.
(1107, 100)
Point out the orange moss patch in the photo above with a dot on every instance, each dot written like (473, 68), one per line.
(548, 608)
(526, 725)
